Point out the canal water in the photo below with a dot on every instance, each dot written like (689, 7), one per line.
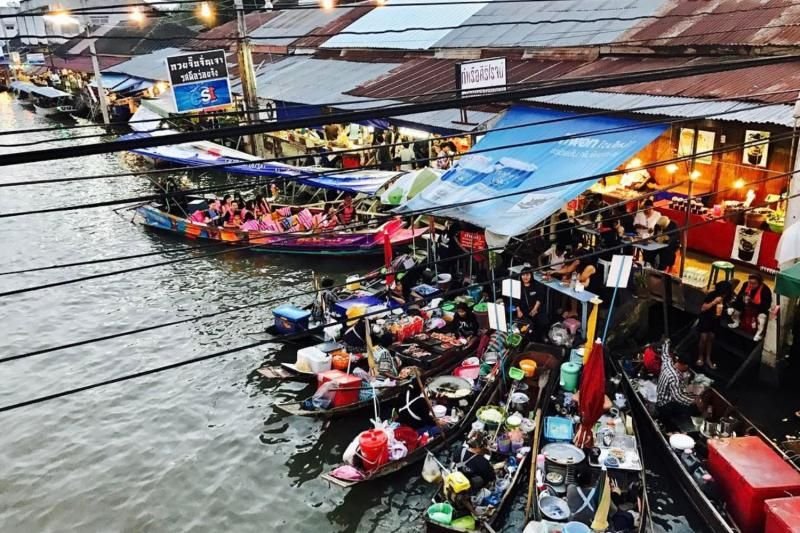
(195, 449)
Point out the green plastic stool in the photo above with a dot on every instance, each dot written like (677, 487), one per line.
(717, 267)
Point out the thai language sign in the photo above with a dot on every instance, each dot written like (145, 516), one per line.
(482, 76)
(530, 165)
(199, 80)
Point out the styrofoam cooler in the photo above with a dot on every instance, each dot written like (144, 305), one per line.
(290, 319)
(316, 360)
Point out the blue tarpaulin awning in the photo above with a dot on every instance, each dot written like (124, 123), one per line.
(202, 153)
(505, 162)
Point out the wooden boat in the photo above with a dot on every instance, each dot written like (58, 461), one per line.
(548, 359)
(624, 476)
(711, 510)
(340, 242)
(440, 364)
(486, 395)
(50, 102)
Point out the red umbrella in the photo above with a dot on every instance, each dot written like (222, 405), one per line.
(592, 395)
(387, 258)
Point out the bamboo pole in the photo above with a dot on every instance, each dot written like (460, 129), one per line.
(370, 355)
(534, 453)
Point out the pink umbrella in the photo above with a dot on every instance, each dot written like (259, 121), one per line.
(592, 395)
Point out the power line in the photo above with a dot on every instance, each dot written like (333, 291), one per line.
(356, 116)
(255, 344)
(407, 214)
(219, 166)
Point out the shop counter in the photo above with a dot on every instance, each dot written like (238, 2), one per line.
(715, 238)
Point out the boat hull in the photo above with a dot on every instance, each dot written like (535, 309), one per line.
(332, 243)
(53, 112)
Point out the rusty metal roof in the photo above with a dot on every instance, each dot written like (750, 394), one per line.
(720, 22)
(224, 35)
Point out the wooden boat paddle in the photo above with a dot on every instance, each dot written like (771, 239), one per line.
(534, 451)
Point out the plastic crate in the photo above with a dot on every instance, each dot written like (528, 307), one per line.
(558, 429)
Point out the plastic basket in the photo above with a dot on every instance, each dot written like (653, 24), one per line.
(558, 429)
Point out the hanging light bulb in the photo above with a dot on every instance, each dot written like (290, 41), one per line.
(738, 184)
(327, 4)
(206, 13)
(137, 15)
(672, 168)
(695, 175)
(380, 2)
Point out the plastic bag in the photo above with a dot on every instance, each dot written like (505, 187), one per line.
(431, 472)
(323, 398)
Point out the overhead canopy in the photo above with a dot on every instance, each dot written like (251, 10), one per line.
(409, 185)
(22, 86)
(208, 153)
(48, 92)
(122, 83)
(506, 162)
(787, 282)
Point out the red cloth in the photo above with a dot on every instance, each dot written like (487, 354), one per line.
(387, 257)
(716, 238)
(652, 361)
(592, 396)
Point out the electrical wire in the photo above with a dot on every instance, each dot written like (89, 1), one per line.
(139, 199)
(218, 166)
(412, 213)
(418, 301)
(367, 113)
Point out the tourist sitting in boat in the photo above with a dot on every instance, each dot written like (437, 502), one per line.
(198, 216)
(582, 498)
(231, 216)
(347, 213)
(464, 323)
(754, 301)
(330, 218)
(250, 222)
(261, 207)
(673, 400)
(214, 211)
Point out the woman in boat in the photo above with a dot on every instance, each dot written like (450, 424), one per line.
(581, 498)
(708, 321)
(262, 206)
(529, 306)
(250, 222)
(355, 336)
(347, 213)
(329, 219)
(464, 323)
(233, 218)
(198, 216)
(474, 464)
(214, 212)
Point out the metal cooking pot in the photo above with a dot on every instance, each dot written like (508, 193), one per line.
(553, 507)
(710, 428)
(727, 424)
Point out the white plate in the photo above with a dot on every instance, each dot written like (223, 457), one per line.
(681, 441)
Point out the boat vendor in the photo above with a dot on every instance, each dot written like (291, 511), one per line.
(474, 464)
(672, 399)
(355, 336)
(708, 321)
(414, 411)
(754, 300)
(582, 498)
(464, 323)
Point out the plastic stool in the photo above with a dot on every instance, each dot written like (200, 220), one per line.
(716, 267)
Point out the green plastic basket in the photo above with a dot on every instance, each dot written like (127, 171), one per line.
(516, 373)
(513, 340)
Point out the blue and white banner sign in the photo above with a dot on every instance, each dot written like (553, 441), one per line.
(199, 80)
(506, 162)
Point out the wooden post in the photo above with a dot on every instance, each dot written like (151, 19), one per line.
(373, 369)
(533, 454)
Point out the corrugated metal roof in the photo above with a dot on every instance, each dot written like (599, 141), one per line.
(673, 106)
(399, 18)
(150, 66)
(224, 35)
(84, 63)
(535, 24)
(306, 80)
(721, 22)
(284, 29)
(130, 39)
(335, 26)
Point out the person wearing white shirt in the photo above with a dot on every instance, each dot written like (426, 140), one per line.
(646, 219)
(406, 156)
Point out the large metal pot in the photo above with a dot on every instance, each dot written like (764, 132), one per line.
(726, 425)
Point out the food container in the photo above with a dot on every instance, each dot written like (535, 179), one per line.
(439, 411)
(290, 319)
(491, 416)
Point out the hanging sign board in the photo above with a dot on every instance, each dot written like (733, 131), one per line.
(199, 80)
(620, 271)
(497, 317)
(481, 76)
(512, 288)
(35, 59)
(747, 244)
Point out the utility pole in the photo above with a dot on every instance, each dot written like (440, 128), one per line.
(101, 91)
(248, 77)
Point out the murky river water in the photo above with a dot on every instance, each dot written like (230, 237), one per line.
(194, 449)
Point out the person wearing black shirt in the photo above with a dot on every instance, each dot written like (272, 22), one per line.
(474, 465)
(529, 305)
(565, 231)
(707, 322)
(669, 235)
(464, 322)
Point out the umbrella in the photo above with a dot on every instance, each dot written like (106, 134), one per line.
(592, 394)
(387, 258)
(789, 246)
(600, 522)
(591, 328)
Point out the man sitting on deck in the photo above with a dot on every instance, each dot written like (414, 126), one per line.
(755, 299)
(673, 400)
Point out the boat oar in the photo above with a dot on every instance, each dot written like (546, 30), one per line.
(516, 375)
(534, 452)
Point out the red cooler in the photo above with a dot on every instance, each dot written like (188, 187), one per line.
(783, 516)
(350, 383)
(749, 472)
